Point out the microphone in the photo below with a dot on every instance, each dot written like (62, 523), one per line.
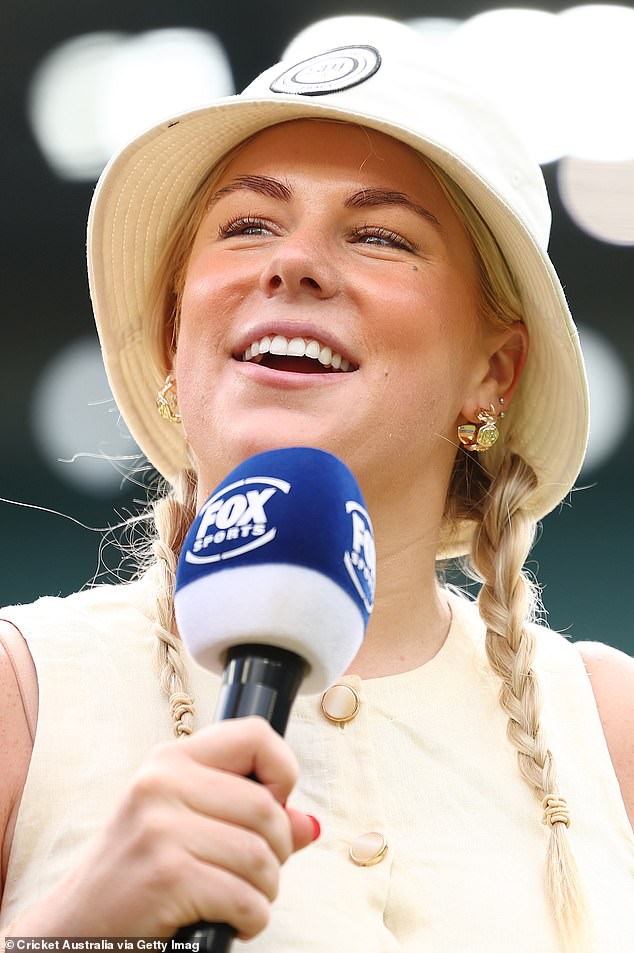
(274, 589)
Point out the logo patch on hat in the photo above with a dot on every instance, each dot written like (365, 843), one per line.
(329, 72)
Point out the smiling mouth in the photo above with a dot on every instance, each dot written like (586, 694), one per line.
(299, 355)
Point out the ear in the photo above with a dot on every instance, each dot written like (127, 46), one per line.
(507, 351)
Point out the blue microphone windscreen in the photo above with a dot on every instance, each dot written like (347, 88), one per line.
(281, 553)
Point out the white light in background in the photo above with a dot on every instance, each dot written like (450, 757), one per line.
(434, 31)
(93, 93)
(610, 398)
(565, 79)
(160, 74)
(599, 197)
(513, 56)
(74, 417)
(64, 104)
(332, 32)
(597, 44)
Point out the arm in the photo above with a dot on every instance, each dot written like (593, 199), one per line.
(18, 691)
(611, 674)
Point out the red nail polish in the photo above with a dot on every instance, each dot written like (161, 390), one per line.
(316, 825)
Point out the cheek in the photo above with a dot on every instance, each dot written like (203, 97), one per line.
(199, 304)
(429, 320)
(429, 339)
(207, 309)
(213, 285)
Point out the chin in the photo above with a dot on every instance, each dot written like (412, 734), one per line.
(223, 456)
(261, 442)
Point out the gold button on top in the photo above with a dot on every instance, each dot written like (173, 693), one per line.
(340, 703)
(368, 849)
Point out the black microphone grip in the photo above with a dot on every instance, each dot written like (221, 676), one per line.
(258, 680)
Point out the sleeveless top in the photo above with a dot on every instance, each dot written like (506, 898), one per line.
(425, 762)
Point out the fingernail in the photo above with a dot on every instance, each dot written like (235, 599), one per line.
(316, 825)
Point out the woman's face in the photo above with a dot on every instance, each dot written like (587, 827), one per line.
(335, 244)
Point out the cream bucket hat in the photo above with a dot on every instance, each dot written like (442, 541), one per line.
(145, 187)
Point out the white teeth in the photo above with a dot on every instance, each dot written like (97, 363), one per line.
(279, 345)
(295, 347)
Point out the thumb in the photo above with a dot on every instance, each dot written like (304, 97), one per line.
(304, 827)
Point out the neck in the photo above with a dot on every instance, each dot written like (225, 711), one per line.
(411, 617)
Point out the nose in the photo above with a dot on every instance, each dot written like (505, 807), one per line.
(300, 265)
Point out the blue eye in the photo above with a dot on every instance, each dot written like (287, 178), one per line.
(245, 225)
(382, 237)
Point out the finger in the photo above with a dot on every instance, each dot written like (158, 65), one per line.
(246, 746)
(304, 828)
(238, 801)
(222, 897)
(238, 851)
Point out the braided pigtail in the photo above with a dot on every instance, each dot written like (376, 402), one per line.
(507, 600)
(173, 515)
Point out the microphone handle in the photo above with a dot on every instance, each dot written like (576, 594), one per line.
(258, 680)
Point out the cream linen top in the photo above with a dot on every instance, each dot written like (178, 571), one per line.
(425, 762)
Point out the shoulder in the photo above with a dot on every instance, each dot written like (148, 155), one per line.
(18, 714)
(18, 678)
(107, 607)
(611, 674)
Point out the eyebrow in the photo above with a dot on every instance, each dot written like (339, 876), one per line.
(364, 198)
(261, 184)
(371, 198)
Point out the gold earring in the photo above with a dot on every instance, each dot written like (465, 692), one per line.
(480, 438)
(167, 401)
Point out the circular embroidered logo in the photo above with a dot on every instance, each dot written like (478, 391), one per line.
(329, 72)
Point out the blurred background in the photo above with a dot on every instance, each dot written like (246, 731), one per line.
(79, 79)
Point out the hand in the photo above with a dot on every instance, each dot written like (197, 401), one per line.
(192, 839)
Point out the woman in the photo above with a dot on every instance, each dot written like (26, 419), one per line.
(350, 255)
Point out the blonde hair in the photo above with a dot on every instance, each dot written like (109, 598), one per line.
(491, 494)
(172, 515)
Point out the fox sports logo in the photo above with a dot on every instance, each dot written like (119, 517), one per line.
(234, 520)
(360, 558)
